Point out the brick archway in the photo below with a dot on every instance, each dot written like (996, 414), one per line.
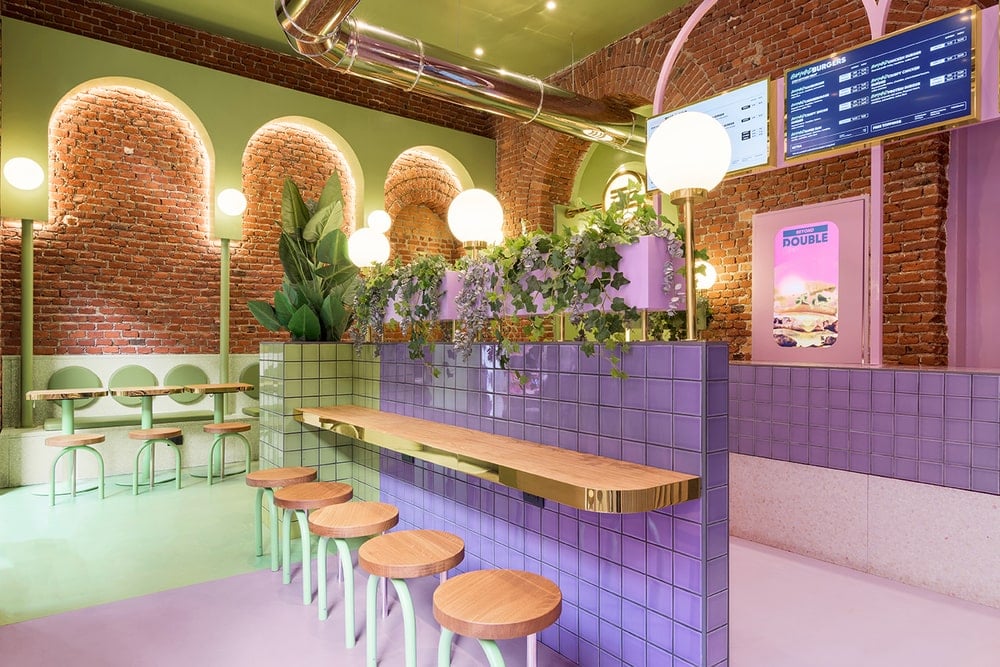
(418, 190)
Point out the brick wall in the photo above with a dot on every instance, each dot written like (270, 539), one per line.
(145, 33)
(277, 150)
(418, 191)
(125, 263)
(738, 42)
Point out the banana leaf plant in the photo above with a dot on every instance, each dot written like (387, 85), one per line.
(319, 281)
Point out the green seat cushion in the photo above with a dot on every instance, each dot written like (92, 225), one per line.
(251, 375)
(131, 376)
(185, 374)
(75, 377)
(108, 421)
(251, 412)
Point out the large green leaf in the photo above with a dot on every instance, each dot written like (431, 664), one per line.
(304, 324)
(336, 318)
(294, 213)
(317, 223)
(283, 308)
(332, 251)
(264, 313)
(331, 192)
(293, 260)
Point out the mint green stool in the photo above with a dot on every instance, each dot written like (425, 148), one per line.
(221, 431)
(300, 499)
(398, 556)
(348, 525)
(151, 436)
(71, 444)
(266, 481)
(495, 604)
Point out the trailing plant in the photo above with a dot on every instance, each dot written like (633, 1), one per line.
(319, 278)
(419, 293)
(375, 291)
(478, 304)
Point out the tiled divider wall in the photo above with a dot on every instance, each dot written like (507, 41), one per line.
(645, 589)
(936, 427)
(296, 375)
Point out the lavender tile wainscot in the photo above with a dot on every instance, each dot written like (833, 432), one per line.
(647, 589)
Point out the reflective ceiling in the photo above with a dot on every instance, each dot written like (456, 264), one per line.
(522, 36)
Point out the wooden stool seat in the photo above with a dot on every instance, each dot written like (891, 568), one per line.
(275, 478)
(159, 433)
(265, 481)
(340, 523)
(74, 440)
(399, 556)
(348, 520)
(227, 427)
(411, 553)
(299, 499)
(495, 604)
(312, 495)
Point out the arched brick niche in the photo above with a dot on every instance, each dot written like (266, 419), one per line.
(277, 150)
(418, 190)
(124, 264)
(740, 41)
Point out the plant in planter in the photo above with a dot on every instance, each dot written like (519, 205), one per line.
(319, 277)
(377, 289)
(478, 303)
(419, 286)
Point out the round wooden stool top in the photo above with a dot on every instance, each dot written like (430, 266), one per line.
(74, 440)
(348, 520)
(275, 478)
(411, 553)
(497, 604)
(312, 495)
(227, 427)
(165, 432)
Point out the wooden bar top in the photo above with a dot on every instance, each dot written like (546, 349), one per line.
(584, 481)
(147, 391)
(218, 388)
(62, 394)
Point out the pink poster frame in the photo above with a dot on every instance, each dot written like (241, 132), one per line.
(852, 216)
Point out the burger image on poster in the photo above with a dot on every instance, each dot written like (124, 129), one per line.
(806, 267)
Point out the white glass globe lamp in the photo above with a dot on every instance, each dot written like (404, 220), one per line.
(366, 247)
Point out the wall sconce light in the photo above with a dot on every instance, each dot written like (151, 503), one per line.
(475, 218)
(23, 173)
(367, 247)
(688, 155)
(232, 202)
(706, 277)
(379, 221)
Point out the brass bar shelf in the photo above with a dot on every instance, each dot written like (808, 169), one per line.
(584, 481)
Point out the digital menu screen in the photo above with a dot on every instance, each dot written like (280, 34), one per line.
(744, 112)
(911, 80)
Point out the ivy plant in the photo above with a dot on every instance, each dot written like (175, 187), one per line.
(420, 290)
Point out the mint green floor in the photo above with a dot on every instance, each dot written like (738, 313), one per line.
(86, 551)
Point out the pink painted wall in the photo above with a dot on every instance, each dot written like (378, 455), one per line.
(973, 258)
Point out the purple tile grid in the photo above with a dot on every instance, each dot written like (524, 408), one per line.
(639, 589)
(928, 426)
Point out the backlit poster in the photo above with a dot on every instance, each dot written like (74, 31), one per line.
(806, 282)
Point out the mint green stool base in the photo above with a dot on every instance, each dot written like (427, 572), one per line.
(346, 574)
(371, 621)
(490, 648)
(220, 439)
(73, 488)
(150, 446)
(286, 551)
(263, 492)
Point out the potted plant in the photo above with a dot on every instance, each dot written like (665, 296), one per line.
(319, 278)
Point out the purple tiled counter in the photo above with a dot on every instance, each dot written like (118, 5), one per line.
(935, 427)
(639, 589)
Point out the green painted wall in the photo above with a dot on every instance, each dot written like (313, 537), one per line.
(41, 66)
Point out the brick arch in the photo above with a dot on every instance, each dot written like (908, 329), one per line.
(124, 163)
(419, 188)
(277, 150)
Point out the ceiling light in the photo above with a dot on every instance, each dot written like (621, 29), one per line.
(366, 247)
(550, 5)
(232, 202)
(475, 217)
(23, 173)
(379, 221)
(479, 52)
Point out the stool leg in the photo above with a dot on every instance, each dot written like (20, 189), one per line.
(409, 621)
(371, 620)
(492, 652)
(52, 478)
(100, 469)
(72, 472)
(246, 448)
(135, 476)
(444, 647)
(258, 523)
(532, 659)
(152, 464)
(350, 628)
(177, 464)
(321, 576)
(222, 458)
(269, 493)
(303, 520)
(286, 547)
(211, 459)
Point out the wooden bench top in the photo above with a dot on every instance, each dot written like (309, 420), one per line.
(218, 388)
(62, 394)
(312, 495)
(497, 604)
(355, 519)
(74, 440)
(275, 478)
(405, 554)
(584, 481)
(147, 391)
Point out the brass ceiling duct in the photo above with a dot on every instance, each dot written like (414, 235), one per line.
(324, 31)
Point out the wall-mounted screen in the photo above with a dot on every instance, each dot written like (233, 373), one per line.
(744, 112)
(912, 80)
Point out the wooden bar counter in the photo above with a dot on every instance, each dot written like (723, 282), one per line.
(584, 481)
